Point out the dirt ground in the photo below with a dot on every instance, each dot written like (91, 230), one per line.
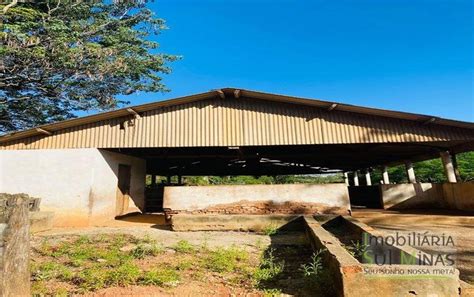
(458, 225)
(196, 274)
(169, 238)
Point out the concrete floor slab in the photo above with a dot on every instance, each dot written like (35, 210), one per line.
(459, 225)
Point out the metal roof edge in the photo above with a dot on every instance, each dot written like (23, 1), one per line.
(330, 105)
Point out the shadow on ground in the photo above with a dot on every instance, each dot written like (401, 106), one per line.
(290, 246)
(155, 220)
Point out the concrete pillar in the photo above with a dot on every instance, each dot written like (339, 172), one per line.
(410, 172)
(346, 178)
(456, 168)
(153, 179)
(356, 178)
(368, 180)
(448, 167)
(15, 245)
(386, 179)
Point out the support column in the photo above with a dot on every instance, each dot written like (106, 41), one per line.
(346, 178)
(386, 179)
(457, 173)
(153, 179)
(448, 167)
(410, 172)
(368, 180)
(356, 178)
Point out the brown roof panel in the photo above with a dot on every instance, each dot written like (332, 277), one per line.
(233, 116)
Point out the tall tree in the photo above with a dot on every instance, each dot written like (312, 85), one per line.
(62, 56)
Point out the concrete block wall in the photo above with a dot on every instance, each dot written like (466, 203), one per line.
(78, 185)
(259, 199)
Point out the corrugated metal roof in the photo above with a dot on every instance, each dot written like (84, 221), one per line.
(234, 117)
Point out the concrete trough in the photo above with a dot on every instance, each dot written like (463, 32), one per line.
(353, 278)
(218, 222)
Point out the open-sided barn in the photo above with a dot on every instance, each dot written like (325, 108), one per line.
(93, 168)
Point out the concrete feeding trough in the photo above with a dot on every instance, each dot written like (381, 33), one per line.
(409, 272)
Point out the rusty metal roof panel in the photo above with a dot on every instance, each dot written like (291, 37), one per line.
(252, 118)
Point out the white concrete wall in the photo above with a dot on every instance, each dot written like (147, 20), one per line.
(428, 195)
(417, 195)
(79, 185)
(459, 195)
(202, 197)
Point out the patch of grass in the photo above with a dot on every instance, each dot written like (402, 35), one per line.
(39, 288)
(268, 268)
(144, 250)
(98, 277)
(183, 246)
(161, 277)
(83, 239)
(120, 240)
(49, 270)
(125, 274)
(91, 279)
(77, 250)
(225, 260)
(99, 262)
(270, 230)
(147, 239)
(184, 265)
(113, 256)
(271, 292)
(61, 291)
(75, 265)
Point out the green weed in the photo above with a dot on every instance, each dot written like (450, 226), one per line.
(39, 288)
(123, 275)
(270, 230)
(45, 271)
(268, 268)
(315, 266)
(160, 277)
(271, 292)
(183, 246)
(357, 249)
(225, 260)
(184, 265)
(113, 256)
(91, 279)
(144, 250)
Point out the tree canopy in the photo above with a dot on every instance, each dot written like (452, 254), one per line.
(62, 56)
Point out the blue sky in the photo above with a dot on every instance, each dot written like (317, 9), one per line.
(414, 56)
